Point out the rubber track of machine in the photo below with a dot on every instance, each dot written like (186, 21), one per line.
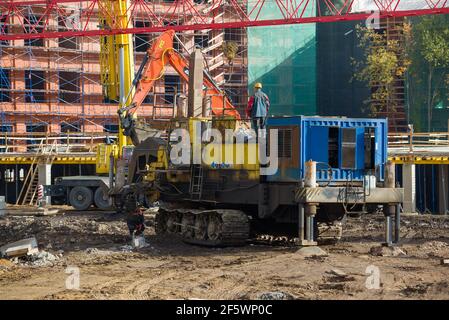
(160, 221)
(234, 228)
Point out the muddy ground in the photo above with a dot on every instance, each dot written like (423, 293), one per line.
(98, 244)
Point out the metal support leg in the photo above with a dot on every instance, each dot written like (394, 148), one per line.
(389, 213)
(388, 231)
(310, 228)
(305, 225)
(397, 224)
(301, 223)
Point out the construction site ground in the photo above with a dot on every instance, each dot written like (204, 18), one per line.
(99, 245)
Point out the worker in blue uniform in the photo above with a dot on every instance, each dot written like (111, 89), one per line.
(258, 106)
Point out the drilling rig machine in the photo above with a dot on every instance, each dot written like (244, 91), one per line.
(317, 170)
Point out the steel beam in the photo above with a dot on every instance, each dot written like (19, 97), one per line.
(194, 17)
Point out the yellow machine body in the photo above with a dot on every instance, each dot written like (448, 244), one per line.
(237, 160)
(103, 161)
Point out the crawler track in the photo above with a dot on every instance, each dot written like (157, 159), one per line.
(215, 228)
(222, 227)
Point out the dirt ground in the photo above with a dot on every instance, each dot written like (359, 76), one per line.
(98, 244)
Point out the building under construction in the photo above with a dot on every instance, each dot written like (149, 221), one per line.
(224, 149)
(60, 86)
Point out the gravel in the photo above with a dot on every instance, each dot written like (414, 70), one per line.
(41, 259)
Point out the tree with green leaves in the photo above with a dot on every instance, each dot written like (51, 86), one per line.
(384, 61)
(429, 52)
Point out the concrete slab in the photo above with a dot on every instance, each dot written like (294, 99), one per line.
(20, 248)
(312, 252)
(384, 251)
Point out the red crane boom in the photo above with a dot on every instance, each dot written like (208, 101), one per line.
(182, 15)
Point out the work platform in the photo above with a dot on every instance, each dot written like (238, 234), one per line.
(419, 159)
(422, 161)
(63, 158)
(90, 159)
(404, 148)
(64, 148)
(419, 148)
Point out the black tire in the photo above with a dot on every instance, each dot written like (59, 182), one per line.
(81, 198)
(101, 199)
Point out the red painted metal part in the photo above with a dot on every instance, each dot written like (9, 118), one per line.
(183, 15)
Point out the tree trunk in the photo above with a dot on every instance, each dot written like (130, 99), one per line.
(429, 98)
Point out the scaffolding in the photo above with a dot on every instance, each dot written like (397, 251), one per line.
(395, 111)
(52, 61)
(57, 84)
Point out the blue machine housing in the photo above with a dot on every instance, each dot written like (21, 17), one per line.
(350, 148)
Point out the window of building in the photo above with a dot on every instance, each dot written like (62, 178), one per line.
(4, 29)
(34, 138)
(70, 127)
(4, 128)
(201, 40)
(149, 98)
(235, 95)
(172, 87)
(111, 128)
(69, 87)
(233, 78)
(141, 40)
(21, 174)
(34, 24)
(5, 85)
(38, 127)
(233, 34)
(68, 42)
(9, 175)
(35, 86)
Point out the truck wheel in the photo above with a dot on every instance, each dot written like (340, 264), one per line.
(101, 199)
(81, 198)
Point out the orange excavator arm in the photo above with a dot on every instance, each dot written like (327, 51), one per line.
(152, 68)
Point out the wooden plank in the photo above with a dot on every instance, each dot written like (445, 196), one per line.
(33, 212)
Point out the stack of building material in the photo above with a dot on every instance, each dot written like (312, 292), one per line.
(20, 248)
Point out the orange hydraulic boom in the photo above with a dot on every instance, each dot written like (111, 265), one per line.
(152, 68)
